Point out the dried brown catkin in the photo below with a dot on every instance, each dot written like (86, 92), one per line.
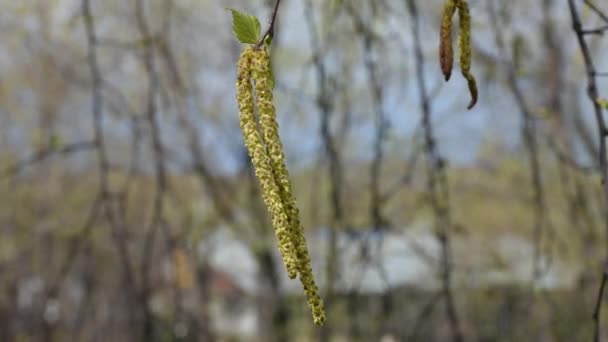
(446, 52)
(465, 47)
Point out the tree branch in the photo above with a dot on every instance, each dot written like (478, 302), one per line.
(437, 181)
(270, 31)
(593, 94)
(597, 10)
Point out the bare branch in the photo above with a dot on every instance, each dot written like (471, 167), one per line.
(437, 181)
(45, 154)
(270, 31)
(602, 131)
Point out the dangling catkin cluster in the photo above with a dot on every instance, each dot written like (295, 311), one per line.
(261, 161)
(446, 54)
(266, 151)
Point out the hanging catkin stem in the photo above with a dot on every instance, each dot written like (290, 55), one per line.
(262, 77)
(446, 52)
(266, 151)
(261, 162)
(464, 45)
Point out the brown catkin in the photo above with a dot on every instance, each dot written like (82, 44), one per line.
(262, 76)
(261, 162)
(446, 52)
(464, 46)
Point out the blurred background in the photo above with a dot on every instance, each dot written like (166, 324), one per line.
(130, 210)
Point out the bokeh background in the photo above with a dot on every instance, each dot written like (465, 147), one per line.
(129, 210)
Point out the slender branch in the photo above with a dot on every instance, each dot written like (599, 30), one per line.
(600, 30)
(270, 31)
(528, 132)
(380, 120)
(152, 116)
(74, 247)
(567, 159)
(598, 305)
(410, 168)
(423, 317)
(379, 222)
(41, 156)
(593, 94)
(97, 108)
(325, 106)
(597, 10)
(437, 182)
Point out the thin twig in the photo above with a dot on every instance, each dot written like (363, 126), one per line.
(381, 123)
(593, 94)
(528, 131)
(41, 156)
(379, 222)
(270, 31)
(598, 305)
(597, 10)
(325, 106)
(423, 317)
(437, 182)
(97, 109)
(600, 30)
(152, 116)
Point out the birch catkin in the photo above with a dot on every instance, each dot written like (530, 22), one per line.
(446, 52)
(261, 161)
(266, 151)
(464, 46)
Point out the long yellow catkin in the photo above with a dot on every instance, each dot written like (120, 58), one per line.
(262, 77)
(261, 162)
(446, 53)
(464, 46)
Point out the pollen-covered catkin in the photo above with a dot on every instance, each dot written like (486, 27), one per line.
(464, 46)
(307, 279)
(261, 162)
(262, 76)
(446, 52)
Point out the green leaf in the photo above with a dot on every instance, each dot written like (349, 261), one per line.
(603, 103)
(246, 27)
